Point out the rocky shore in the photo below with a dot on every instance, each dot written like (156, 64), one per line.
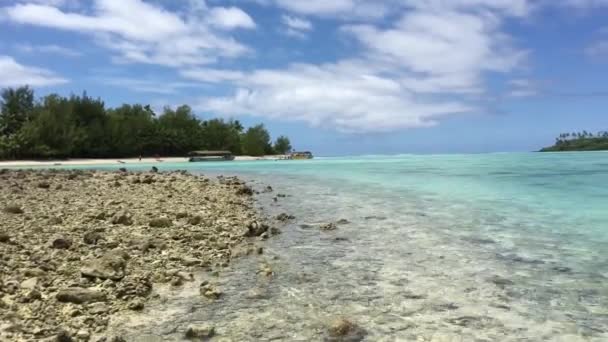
(77, 247)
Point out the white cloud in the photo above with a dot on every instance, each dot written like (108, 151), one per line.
(431, 63)
(230, 18)
(15, 74)
(50, 49)
(447, 47)
(346, 95)
(295, 26)
(296, 23)
(145, 33)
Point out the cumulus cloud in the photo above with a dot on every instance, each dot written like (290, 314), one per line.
(427, 65)
(295, 26)
(146, 33)
(343, 95)
(230, 18)
(15, 74)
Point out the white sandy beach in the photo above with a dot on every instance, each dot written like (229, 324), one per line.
(125, 161)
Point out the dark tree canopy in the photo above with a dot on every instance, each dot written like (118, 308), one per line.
(579, 141)
(16, 105)
(256, 141)
(282, 145)
(83, 127)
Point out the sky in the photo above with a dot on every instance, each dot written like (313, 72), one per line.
(337, 76)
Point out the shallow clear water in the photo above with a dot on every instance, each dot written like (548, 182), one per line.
(495, 247)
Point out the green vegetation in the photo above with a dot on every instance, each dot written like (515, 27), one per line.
(579, 141)
(82, 127)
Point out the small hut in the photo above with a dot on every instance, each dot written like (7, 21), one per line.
(203, 156)
(301, 155)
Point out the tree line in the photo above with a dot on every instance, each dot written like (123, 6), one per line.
(579, 141)
(83, 127)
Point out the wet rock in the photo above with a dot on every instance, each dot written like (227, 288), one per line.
(182, 215)
(343, 221)
(328, 227)
(519, 259)
(79, 295)
(374, 217)
(189, 261)
(98, 308)
(198, 332)
(44, 185)
(245, 191)
(285, 217)
(176, 281)
(122, 217)
(55, 220)
(136, 305)
(265, 269)
(92, 238)
(122, 169)
(256, 229)
(4, 237)
(32, 296)
(195, 220)
(562, 269)
(63, 336)
(100, 216)
(61, 243)
(342, 329)
(134, 286)
(500, 281)
(154, 169)
(480, 241)
(210, 291)
(148, 180)
(161, 222)
(13, 209)
(110, 266)
(257, 294)
(267, 189)
(477, 322)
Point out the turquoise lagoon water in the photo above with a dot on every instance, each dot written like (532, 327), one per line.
(491, 247)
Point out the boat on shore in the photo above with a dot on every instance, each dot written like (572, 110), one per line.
(210, 156)
(300, 155)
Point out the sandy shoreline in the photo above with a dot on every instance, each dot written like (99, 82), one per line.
(124, 161)
(81, 247)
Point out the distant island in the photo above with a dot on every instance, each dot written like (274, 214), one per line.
(58, 127)
(579, 141)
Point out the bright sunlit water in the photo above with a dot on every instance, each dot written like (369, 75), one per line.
(494, 247)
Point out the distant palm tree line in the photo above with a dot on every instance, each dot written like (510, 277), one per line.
(581, 135)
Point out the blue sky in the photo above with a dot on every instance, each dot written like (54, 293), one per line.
(338, 77)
